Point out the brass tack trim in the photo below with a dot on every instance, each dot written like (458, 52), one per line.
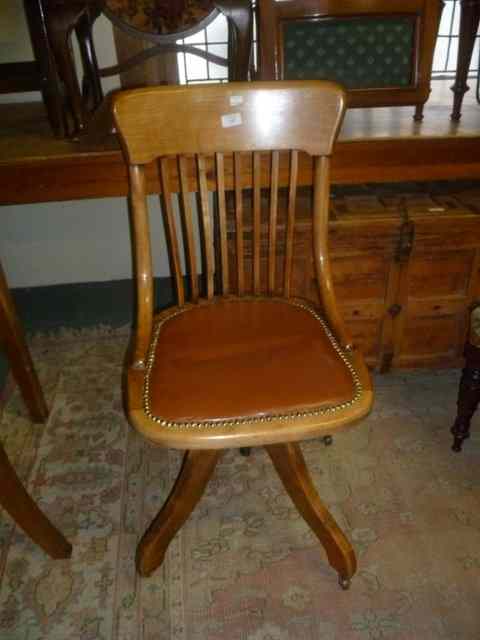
(233, 422)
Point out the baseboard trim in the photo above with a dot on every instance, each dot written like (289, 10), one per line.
(83, 304)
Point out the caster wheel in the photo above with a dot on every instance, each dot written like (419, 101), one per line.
(327, 440)
(344, 583)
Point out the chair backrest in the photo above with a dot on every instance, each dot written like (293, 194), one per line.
(380, 50)
(239, 141)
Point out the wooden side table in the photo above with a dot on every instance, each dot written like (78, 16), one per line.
(13, 496)
(469, 21)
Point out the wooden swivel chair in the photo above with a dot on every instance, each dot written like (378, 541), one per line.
(236, 366)
(13, 496)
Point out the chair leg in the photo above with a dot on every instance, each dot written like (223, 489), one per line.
(290, 466)
(189, 486)
(418, 115)
(60, 24)
(467, 403)
(18, 503)
(469, 19)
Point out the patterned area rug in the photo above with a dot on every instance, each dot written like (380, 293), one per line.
(244, 567)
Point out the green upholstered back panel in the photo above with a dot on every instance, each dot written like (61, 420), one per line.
(358, 52)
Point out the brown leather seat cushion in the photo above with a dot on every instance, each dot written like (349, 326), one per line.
(233, 359)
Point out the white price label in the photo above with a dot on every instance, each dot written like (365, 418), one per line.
(231, 120)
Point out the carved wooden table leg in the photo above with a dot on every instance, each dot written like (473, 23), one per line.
(13, 340)
(468, 396)
(17, 502)
(469, 20)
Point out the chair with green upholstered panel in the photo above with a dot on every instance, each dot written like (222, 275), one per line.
(381, 51)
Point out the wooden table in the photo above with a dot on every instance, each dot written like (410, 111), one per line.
(376, 145)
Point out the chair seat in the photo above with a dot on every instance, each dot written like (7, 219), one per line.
(245, 360)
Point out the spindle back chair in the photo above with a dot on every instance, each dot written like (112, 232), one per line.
(239, 361)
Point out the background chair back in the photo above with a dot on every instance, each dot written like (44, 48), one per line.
(148, 38)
